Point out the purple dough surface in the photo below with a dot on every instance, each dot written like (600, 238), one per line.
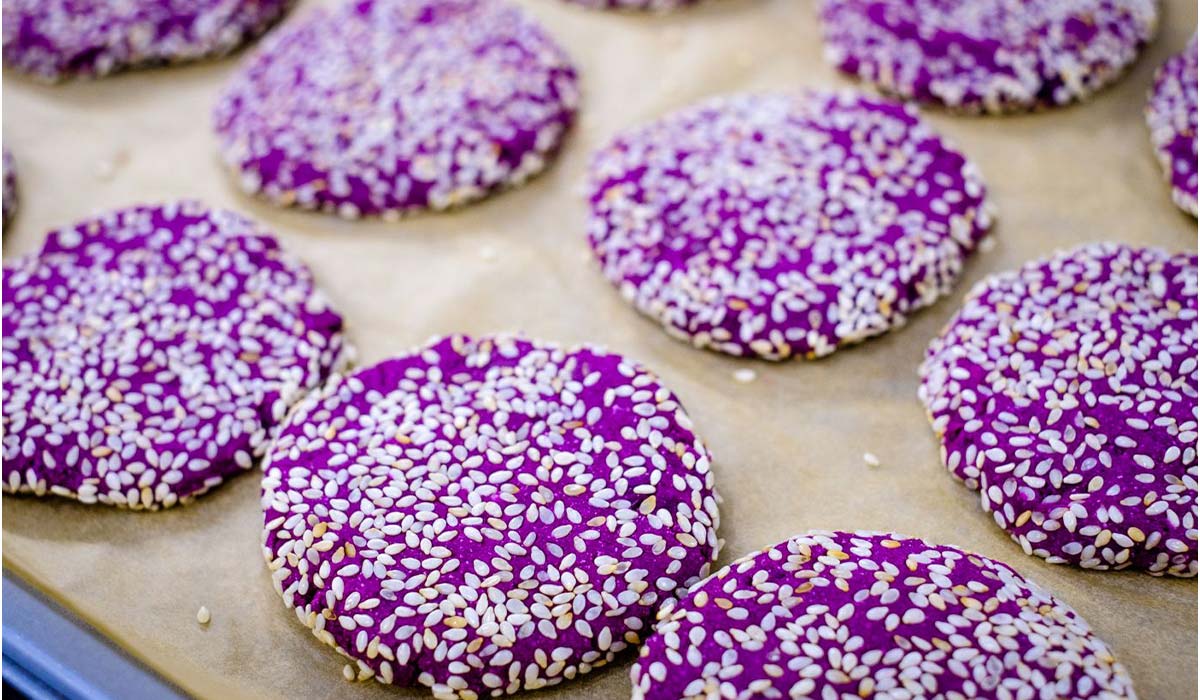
(486, 515)
(848, 615)
(382, 107)
(151, 352)
(10, 186)
(1171, 116)
(987, 55)
(1065, 394)
(55, 39)
(783, 225)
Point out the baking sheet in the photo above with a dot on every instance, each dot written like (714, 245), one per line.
(789, 446)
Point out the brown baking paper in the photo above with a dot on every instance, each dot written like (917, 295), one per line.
(789, 446)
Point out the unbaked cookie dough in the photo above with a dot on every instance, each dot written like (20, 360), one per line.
(988, 55)
(56, 39)
(782, 225)
(384, 107)
(872, 615)
(1171, 116)
(1065, 394)
(486, 515)
(151, 352)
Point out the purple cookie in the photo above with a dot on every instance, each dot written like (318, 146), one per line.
(783, 225)
(849, 615)
(55, 39)
(151, 352)
(382, 107)
(10, 186)
(987, 55)
(1171, 116)
(1065, 394)
(486, 515)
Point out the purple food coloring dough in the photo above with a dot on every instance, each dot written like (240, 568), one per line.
(151, 352)
(1171, 116)
(487, 515)
(987, 55)
(872, 615)
(55, 39)
(783, 225)
(1065, 394)
(381, 107)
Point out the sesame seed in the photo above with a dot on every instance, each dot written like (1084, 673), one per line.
(744, 375)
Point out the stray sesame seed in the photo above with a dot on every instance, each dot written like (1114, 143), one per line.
(744, 375)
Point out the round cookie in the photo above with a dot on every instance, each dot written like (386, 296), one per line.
(987, 55)
(151, 352)
(841, 614)
(382, 107)
(1171, 116)
(55, 39)
(1065, 394)
(10, 186)
(783, 225)
(486, 515)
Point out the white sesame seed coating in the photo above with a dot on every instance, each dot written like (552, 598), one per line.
(151, 351)
(384, 107)
(987, 55)
(842, 615)
(487, 515)
(783, 225)
(1065, 394)
(55, 39)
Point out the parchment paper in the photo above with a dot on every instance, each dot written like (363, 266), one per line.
(789, 446)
